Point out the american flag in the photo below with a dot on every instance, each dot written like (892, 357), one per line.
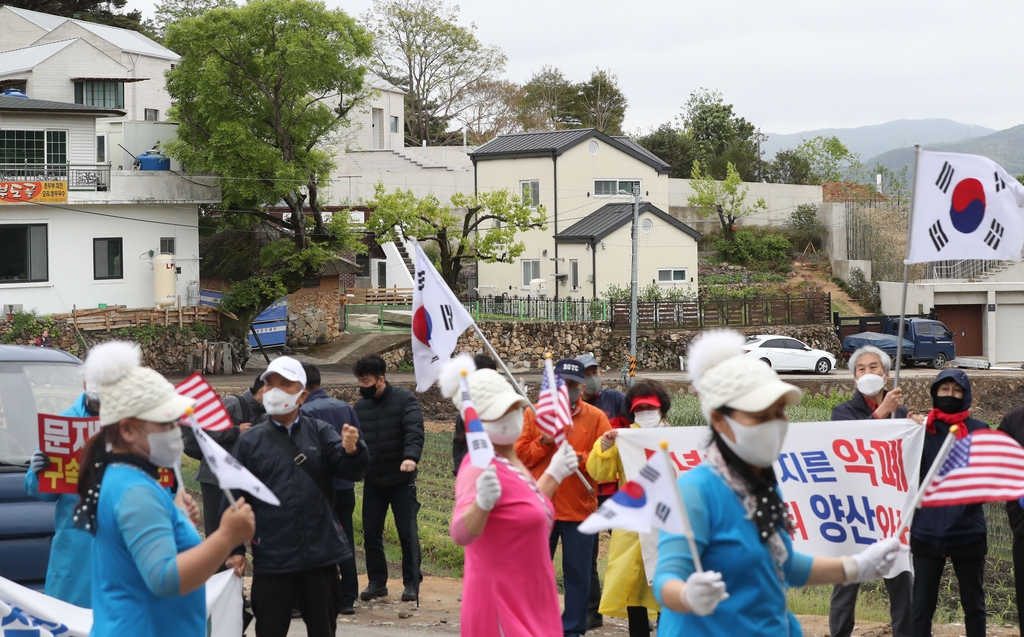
(210, 412)
(553, 412)
(986, 466)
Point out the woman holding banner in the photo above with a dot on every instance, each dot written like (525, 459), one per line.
(149, 563)
(738, 518)
(626, 592)
(504, 518)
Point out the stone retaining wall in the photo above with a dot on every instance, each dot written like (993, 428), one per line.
(313, 314)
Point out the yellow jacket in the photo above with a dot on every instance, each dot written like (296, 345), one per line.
(625, 582)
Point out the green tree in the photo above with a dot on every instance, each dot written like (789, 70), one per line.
(467, 228)
(259, 90)
(673, 146)
(599, 103)
(788, 167)
(170, 11)
(548, 101)
(828, 158)
(722, 198)
(494, 110)
(721, 136)
(893, 183)
(420, 46)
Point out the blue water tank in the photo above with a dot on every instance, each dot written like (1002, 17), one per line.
(153, 160)
(13, 92)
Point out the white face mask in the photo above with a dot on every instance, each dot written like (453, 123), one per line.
(278, 402)
(505, 430)
(647, 418)
(165, 447)
(870, 384)
(758, 445)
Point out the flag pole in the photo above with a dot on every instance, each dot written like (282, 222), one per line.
(906, 276)
(940, 458)
(519, 389)
(687, 530)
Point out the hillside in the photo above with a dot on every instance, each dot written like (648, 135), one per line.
(1005, 147)
(868, 141)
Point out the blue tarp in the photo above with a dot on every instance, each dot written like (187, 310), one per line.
(271, 324)
(884, 342)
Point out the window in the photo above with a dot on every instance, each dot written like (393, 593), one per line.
(104, 94)
(36, 148)
(794, 344)
(17, 86)
(672, 276)
(56, 147)
(23, 253)
(775, 343)
(531, 192)
(574, 273)
(166, 245)
(609, 187)
(101, 149)
(107, 259)
(531, 271)
(152, 115)
(394, 123)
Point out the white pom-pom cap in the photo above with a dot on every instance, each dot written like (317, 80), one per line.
(128, 390)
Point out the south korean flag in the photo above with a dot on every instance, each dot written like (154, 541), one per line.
(965, 207)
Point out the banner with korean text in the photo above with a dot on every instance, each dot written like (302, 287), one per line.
(846, 483)
(62, 439)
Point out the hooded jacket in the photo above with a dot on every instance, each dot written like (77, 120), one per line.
(950, 525)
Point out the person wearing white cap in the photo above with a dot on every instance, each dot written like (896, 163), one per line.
(501, 512)
(149, 563)
(739, 520)
(300, 544)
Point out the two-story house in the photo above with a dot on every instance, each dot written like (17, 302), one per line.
(581, 177)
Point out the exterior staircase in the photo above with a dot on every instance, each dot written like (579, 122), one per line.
(969, 270)
(404, 252)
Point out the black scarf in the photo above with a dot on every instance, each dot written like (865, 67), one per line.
(770, 514)
(85, 512)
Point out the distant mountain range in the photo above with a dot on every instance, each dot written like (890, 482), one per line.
(1005, 147)
(870, 141)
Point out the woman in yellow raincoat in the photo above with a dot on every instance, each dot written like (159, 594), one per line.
(626, 592)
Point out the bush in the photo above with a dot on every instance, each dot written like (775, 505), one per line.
(806, 227)
(757, 249)
(866, 291)
(649, 294)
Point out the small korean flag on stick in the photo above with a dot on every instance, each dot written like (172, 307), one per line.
(481, 451)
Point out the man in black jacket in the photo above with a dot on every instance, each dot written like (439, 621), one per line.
(1013, 424)
(298, 544)
(336, 413)
(392, 425)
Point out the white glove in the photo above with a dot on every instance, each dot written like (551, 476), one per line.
(39, 462)
(488, 489)
(563, 464)
(704, 592)
(876, 560)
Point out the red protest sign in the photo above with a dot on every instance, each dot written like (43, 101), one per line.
(62, 439)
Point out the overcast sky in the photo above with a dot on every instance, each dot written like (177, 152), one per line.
(787, 66)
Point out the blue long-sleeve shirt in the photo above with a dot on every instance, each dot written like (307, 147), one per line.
(727, 543)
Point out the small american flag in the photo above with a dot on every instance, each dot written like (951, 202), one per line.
(986, 466)
(210, 412)
(553, 412)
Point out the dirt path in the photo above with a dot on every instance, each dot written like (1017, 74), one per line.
(809, 273)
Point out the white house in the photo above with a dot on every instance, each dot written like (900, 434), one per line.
(78, 233)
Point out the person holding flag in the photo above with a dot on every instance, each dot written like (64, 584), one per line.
(502, 511)
(149, 563)
(738, 522)
(626, 591)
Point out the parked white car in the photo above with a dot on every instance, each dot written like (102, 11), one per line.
(785, 354)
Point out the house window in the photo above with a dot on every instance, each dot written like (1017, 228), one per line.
(531, 192)
(167, 245)
(21, 147)
(152, 115)
(107, 259)
(610, 187)
(394, 124)
(104, 94)
(23, 253)
(531, 271)
(17, 86)
(672, 276)
(101, 149)
(574, 273)
(56, 147)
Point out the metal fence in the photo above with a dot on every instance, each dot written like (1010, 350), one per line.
(785, 310)
(361, 317)
(77, 176)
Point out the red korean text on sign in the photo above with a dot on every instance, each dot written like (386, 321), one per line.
(875, 458)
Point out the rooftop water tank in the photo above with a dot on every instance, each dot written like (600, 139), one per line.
(13, 92)
(152, 160)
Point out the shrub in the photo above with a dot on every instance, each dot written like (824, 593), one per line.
(866, 291)
(805, 227)
(758, 249)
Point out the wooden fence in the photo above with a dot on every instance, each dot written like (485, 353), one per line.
(785, 310)
(380, 296)
(116, 317)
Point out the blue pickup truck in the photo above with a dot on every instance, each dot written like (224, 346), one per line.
(924, 341)
(32, 380)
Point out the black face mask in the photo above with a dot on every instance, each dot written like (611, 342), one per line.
(948, 404)
(368, 392)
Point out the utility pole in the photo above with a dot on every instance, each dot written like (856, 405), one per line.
(633, 286)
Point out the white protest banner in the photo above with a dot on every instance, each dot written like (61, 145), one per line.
(846, 483)
(27, 613)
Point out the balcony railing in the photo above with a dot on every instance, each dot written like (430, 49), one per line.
(77, 176)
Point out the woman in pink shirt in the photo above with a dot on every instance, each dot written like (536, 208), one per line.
(504, 518)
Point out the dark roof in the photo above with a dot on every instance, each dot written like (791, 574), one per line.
(554, 143)
(32, 354)
(609, 218)
(339, 266)
(8, 103)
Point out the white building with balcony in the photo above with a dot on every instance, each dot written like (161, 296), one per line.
(75, 232)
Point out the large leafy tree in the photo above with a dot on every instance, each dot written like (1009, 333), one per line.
(721, 136)
(259, 92)
(548, 100)
(420, 46)
(722, 198)
(829, 159)
(464, 229)
(788, 167)
(170, 11)
(673, 146)
(599, 103)
(493, 110)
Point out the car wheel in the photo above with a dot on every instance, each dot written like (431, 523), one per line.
(822, 366)
(908, 362)
(939, 361)
(766, 362)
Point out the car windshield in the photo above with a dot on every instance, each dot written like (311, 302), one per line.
(27, 389)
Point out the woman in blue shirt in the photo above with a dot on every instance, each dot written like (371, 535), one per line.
(738, 517)
(149, 563)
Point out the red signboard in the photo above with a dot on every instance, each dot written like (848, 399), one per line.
(33, 192)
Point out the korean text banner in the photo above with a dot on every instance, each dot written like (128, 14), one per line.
(846, 483)
(62, 439)
(33, 192)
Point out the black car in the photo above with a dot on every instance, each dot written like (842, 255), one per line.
(32, 380)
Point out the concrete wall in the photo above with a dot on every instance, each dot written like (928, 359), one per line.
(781, 199)
(833, 217)
(154, 187)
(842, 268)
(397, 272)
